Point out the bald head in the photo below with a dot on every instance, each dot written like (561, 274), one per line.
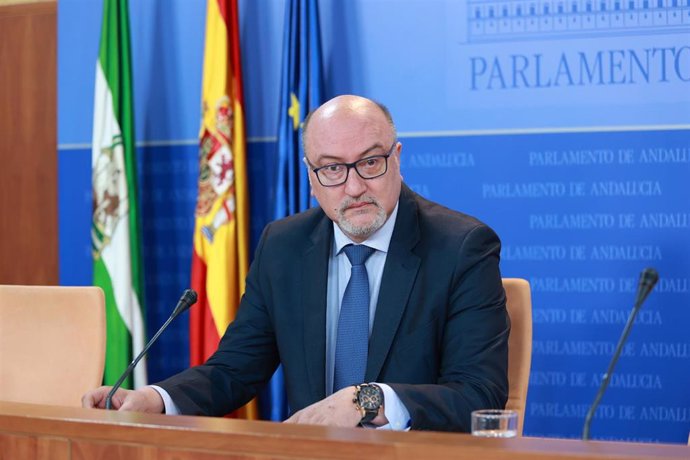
(347, 106)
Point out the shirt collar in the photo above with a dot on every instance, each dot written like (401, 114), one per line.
(380, 240)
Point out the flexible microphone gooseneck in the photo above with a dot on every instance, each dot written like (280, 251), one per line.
(648, 279)
(187, 300)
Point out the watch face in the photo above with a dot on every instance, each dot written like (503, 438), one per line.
(370, 397)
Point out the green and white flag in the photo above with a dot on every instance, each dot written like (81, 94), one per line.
(115, 225)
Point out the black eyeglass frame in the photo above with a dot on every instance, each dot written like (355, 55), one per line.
(353, 165)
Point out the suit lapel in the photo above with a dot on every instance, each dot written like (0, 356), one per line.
(398, 278)
(314, 271)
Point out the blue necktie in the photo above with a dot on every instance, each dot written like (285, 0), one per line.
(352, 345)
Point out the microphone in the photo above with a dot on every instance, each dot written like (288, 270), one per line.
(187, 300)
(648, 279)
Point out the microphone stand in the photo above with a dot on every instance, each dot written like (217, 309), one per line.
(648, 279)
(187, 300)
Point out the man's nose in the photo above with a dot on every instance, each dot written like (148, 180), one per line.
(354, 185)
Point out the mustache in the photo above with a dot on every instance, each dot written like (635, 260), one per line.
(353, 201)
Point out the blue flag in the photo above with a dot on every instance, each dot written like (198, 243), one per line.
(301, 92)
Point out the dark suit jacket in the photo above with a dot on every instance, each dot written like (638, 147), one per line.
(440, 334)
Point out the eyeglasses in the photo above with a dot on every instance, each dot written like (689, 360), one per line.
(335, 174)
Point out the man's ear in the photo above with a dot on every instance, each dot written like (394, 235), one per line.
(398, 151)
(306, 165)
(311, 187)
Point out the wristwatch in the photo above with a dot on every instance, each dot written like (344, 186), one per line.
(368, 400)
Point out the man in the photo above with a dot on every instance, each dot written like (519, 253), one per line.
(421, 280)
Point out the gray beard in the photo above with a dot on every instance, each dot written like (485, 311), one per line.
(361, 231)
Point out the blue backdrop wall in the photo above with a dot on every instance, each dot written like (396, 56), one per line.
(565, 125)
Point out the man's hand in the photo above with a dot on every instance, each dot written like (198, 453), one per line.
(143, 400)
(336, 410)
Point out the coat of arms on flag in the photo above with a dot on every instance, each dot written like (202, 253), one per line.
(217, 171)
(109, 195)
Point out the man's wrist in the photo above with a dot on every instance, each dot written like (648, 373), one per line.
(380, 419)
(396, 414)
(155, 399)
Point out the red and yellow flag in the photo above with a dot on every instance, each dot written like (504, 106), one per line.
(221, 230)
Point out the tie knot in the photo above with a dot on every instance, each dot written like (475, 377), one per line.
(358, 254)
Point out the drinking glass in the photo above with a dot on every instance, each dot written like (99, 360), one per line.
(494, 423)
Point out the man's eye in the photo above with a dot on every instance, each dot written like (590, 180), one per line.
(334, 168)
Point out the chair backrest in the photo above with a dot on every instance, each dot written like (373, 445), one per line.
(519, 304)
(52, 343)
